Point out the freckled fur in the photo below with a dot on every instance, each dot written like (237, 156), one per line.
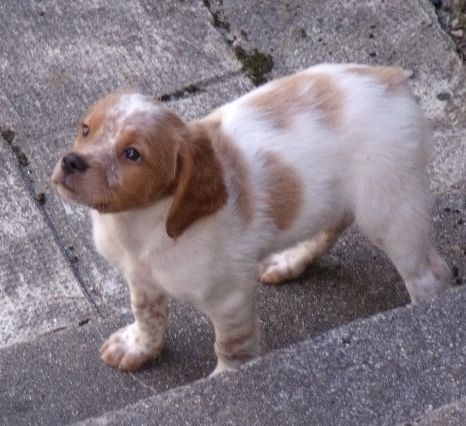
(290, 164)
(391, 77)
(316, 92)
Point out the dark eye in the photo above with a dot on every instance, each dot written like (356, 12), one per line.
(84, 129)
(132, 154)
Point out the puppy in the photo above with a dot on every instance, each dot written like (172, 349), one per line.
(188, 209)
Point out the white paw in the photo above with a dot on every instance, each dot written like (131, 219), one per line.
(291, 263)
(275, 269)
(129, 349)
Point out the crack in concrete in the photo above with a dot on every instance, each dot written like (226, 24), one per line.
(143, 384)
(197, 87)
(437, 7)
(24, 173)
(256, 65)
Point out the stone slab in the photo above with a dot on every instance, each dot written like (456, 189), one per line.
(60, 378)
(38, 290)
(378, 371)
(453, 414)
(299, 33)
(448, 169)
(57, 57)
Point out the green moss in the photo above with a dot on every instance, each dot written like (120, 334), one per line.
(256, 64)
(21, 157)
(188, 90)
(7, 134)
(40, 198)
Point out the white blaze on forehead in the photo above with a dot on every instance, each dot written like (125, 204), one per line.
(128, 105)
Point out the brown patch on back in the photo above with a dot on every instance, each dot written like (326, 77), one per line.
(234, 161)
(283, 191)
(297, 93)
(391, 77)
(200, 189)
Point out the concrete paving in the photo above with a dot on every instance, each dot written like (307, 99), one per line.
(453, 414)
(57, 58)
(38, 291)
(379, 371)
(388, 368)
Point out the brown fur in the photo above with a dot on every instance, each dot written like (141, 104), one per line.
(287, 97)
(391, 77)
(95, 118)
(284, 191)
(201, 189)
(234, 161)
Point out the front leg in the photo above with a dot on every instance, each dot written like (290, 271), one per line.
(237, 337)
(140, 342)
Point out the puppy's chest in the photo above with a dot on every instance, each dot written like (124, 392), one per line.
(172, 265)
(126, 243)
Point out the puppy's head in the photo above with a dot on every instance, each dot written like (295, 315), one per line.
(131, 152)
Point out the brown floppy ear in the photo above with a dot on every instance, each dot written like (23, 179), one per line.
(200, 189)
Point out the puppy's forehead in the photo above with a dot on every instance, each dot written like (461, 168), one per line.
(130, 104)
(111, 116)
(123, 106)
(117, 109)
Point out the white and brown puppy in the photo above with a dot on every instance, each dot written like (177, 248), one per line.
(188, 209)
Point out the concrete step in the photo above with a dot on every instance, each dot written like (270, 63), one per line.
(383, 370)
(453, 414)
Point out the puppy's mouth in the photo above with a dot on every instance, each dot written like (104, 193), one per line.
(58, 179)
(65, 188)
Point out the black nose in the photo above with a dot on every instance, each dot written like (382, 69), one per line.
(72, 163)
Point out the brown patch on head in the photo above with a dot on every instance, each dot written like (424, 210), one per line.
(234, 161)
(288, 96)
(200, 189)
(391, 77)
(283, 191)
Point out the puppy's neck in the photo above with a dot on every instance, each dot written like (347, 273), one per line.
(152, 215)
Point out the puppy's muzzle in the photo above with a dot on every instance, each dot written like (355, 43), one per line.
(73, 163)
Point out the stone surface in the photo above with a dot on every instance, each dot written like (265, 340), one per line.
(448, 171)
(59, 378)
(59, 57)
(38, 292)
(298, 34)
(453, 414)
(383, 370)
(380, 371)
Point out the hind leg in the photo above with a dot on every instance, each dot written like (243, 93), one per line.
(402, 230)
(292, 262)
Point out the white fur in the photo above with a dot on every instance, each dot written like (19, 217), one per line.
(371, 168)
